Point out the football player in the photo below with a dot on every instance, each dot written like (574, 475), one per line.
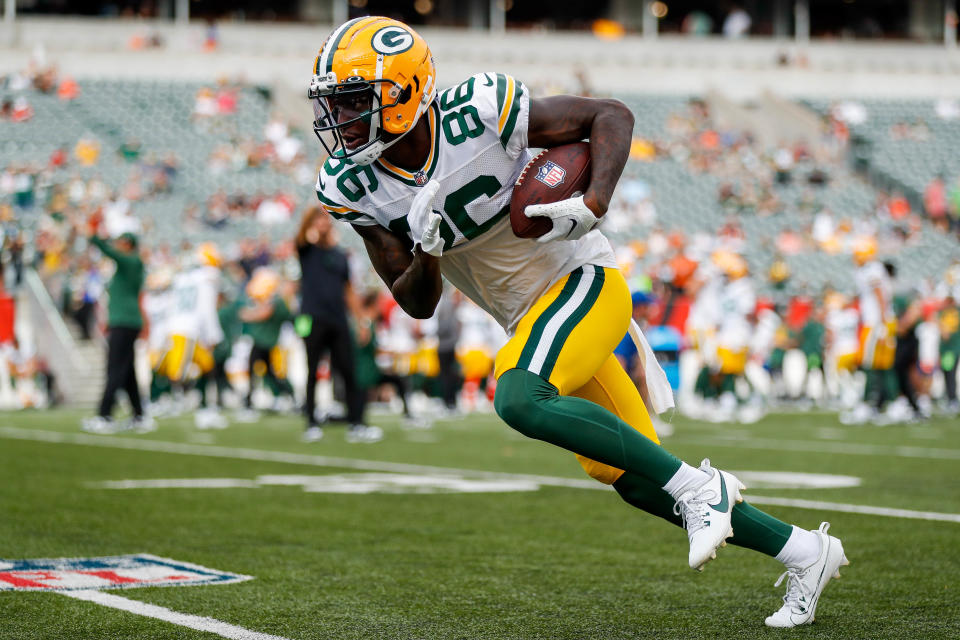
(737, 302)
(842, 344)
(193, 327)
(425, 178)
(878, 332)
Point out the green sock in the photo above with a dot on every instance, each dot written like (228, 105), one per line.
(158, 386)
(752, 528)
(532, 406)
(728, 384)
(891, 384)
(702, 386)
(202, 388)
(870, 388)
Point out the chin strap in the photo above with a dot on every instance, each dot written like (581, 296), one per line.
(376, 147)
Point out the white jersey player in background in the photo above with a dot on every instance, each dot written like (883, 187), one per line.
(193, 328)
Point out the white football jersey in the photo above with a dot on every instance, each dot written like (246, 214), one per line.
(737, 302)
(705, 314)
(764, 334)
(844, 327)
(928, 345)
(479, 133)
(193, 306)
(156, 306)
(870, 276)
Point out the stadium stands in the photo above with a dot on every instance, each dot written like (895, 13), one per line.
(160, 118)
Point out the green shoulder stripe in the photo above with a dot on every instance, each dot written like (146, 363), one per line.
(501, 92)
(511, 123)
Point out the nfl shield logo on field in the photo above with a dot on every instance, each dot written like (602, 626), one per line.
(420, 178)
(112, 572)
(550, 174)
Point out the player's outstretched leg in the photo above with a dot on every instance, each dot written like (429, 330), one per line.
(812, 558)
(704, 497)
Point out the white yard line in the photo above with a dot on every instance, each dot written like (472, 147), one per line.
(855, 508)
(839, 448)
(200, 623)
(238, 453)
(399, 467)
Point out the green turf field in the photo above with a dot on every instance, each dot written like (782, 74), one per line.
(555, 562)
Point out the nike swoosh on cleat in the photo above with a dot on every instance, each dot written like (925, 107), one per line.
(724, 503)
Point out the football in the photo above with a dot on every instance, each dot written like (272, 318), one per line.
(553, 174)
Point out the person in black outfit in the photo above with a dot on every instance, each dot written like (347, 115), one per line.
(325, 294)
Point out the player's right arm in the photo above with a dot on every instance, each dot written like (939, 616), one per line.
(412, 274)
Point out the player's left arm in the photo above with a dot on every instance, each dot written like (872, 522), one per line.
(607, 124)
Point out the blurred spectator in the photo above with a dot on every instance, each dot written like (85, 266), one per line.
(20, 110)
(697, 23)
(737, 23)
(205, 104)
(68, 89)
(87, 151)
(211, 36)
(226, 100)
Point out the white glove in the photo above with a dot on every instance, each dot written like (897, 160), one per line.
(571, 219)
(424, 221)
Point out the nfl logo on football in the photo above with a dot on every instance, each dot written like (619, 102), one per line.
(550, 174)
(420, 178)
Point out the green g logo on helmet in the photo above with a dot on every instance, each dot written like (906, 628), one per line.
(391, 40)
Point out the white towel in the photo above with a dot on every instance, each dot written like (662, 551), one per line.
(661, 394)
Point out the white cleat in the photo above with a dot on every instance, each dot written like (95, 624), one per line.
(804, 586)
(707, 512)
(364, 433)
(143, 424)
(210, 418)
(313, 433)
(100, 425)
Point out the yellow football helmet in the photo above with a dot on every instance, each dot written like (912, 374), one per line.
(263, 284)
(384, 71)
(732, 264)
(864, 250)
(208, 255)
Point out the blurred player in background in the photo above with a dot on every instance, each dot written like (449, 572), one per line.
(629, 358)
(878, 328)
(156, 309)
(193, 328)
(842, 344)
(950, 353)
(262, 316)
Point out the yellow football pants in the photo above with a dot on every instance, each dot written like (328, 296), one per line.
(181, 353)
(568, 337)
(878, 346)
(278, 360)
